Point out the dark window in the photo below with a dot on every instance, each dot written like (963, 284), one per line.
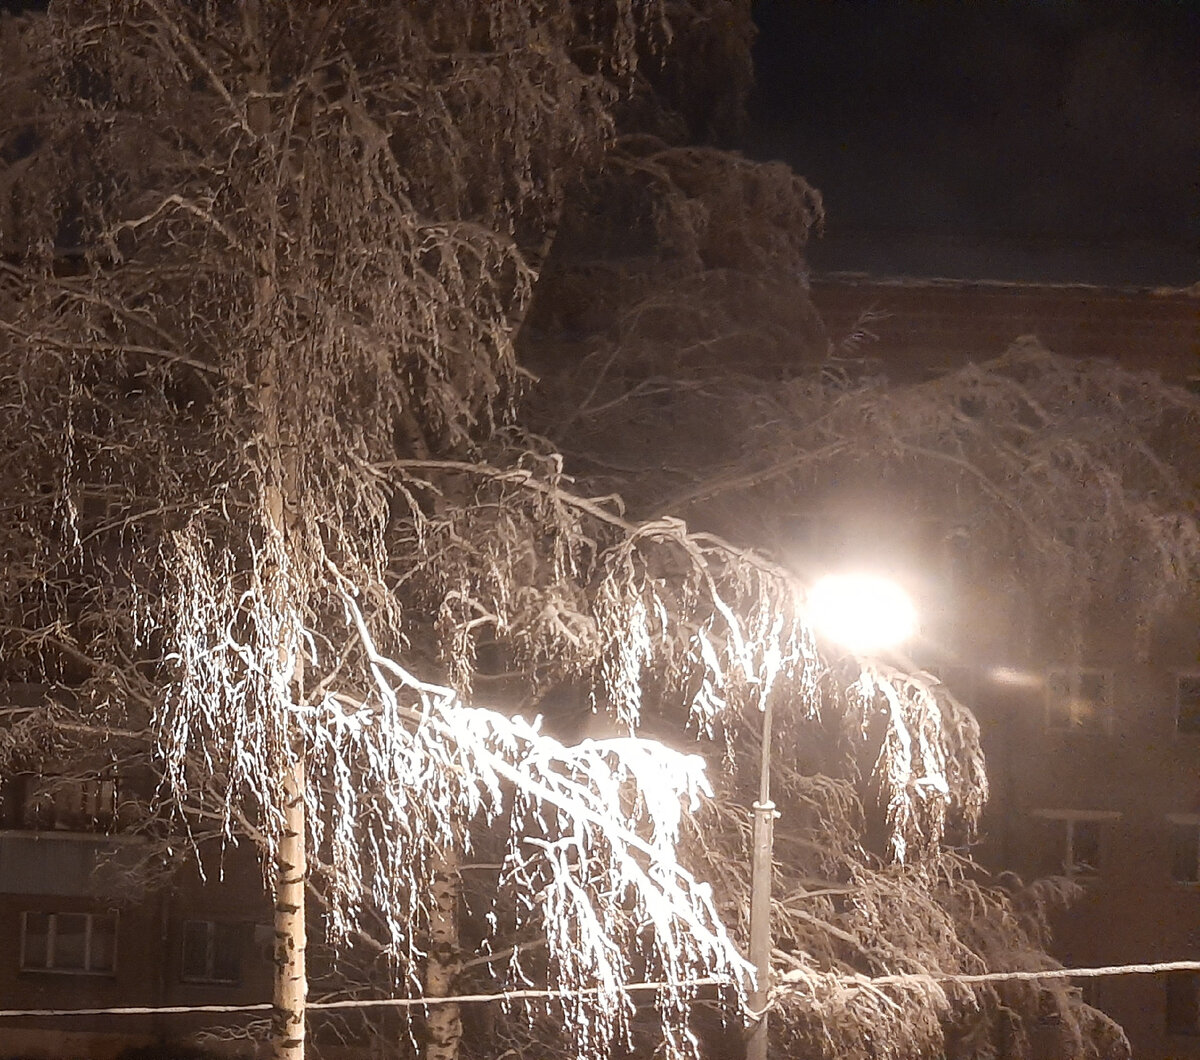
(1083, 856)
(810, 535)
(68, 804)
(1185, 853)
(1187, 703)
(1050, 1005)
(1055, 1004)
(69, 942)
(1183, 1003)
(1078, 700)
(212, 951)
(1070, 846)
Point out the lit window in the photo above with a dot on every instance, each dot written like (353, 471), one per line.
(1187, 703)
(69, 942)
(1183, 1003)
(1078, 700)
(212, 951)
(1185, 848)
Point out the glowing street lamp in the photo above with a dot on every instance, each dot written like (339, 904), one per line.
(866, 614)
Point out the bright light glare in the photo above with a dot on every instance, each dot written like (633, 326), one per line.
(862, 612)
(1006, 675)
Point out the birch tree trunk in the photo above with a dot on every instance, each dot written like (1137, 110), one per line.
(281, 466)
(444, 1025)
(291, 863)
(291, 980)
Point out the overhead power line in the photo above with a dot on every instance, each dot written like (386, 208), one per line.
(1050, 973)
(789, 984)
(381, 1002)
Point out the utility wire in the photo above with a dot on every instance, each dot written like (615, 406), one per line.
(790, 983)
(1049, 973)
(381, 1002)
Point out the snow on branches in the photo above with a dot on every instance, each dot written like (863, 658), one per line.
(275, 529)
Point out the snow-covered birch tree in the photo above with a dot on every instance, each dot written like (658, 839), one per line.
(277, 529)
(266, 497)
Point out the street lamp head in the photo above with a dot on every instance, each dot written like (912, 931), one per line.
(864, 613)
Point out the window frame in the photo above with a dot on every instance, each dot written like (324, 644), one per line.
(1069, 818)
(53, 801)
(91, 919)
(213, 936)
(1170, 993)
(1189, 822)
(1075, 676)
(1180, 677)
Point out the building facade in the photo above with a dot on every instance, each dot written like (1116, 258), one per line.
(1094, 759)
(92, 918)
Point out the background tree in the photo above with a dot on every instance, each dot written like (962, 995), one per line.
(681, 362)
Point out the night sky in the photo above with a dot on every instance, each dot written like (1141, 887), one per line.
(1004, 139)
(1072, 125)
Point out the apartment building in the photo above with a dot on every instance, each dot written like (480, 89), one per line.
(1094, 759)
(1095, 767)
(91, 919)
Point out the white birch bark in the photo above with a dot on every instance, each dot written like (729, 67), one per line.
(291, 980)
(444, 1025)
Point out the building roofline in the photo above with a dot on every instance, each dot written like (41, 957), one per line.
(850, 277)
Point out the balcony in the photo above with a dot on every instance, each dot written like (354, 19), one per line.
(58, 837)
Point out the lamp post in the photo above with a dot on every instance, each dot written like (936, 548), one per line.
(762, 858)
(864, 614)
